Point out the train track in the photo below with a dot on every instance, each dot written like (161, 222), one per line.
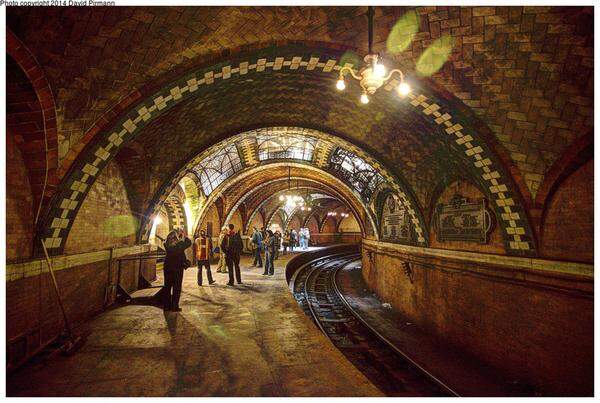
(392, 371)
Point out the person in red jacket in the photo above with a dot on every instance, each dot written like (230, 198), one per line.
(203, 254)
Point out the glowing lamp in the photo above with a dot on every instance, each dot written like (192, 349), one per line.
(403, 89)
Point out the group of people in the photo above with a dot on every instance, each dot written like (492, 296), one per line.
(269, 242)
(230, 248)
(230, 244)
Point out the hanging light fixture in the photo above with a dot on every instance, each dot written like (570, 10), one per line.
(373, 75)
(291, 200)
(335, 214)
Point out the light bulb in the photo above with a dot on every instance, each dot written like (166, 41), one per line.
(341, 85)
(379, 70)
(281, 198)
(403, 89)
(364, 99)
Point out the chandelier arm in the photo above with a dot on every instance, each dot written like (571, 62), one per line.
(392, 72)
(349, 70)
(363, 87)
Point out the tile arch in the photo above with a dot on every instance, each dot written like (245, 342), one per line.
(75, 187)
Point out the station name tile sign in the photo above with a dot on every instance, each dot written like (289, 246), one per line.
(462, 220)
(395, 221)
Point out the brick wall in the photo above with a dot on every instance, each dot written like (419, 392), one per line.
(212, 216)
(105, 219)
(334, 238)
(329, 225)
(349, 224)
(19, 205)
(539, 331)
(295, 223)
(33, 316)
(236, 219)
(257, 221)
(568, 228)
(472, 193)
(313, 225)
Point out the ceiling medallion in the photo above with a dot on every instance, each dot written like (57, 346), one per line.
(373, 75)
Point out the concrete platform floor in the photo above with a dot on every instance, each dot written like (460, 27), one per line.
(250, 340)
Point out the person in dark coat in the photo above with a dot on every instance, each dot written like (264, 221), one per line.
(270, 246)
(232, 246)
(175, 263)
(257, 241)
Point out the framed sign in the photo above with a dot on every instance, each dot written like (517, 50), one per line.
(463, 220)
(395, 221)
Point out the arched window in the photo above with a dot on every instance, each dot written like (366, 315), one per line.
(213, 170)
(356, 172)
(285, 146)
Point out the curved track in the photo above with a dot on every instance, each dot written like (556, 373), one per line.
(313, 286)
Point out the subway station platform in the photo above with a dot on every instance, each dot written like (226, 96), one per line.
(249, 340)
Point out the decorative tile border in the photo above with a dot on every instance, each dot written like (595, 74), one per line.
(80, 180)
(510, 262)
(176, 213)
(18, 271)
(77, 184)
(507, 209)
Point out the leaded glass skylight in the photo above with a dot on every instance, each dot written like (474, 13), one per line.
(285, 145)
(355, 171)
(213, 170)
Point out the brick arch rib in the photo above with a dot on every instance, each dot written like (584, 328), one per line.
(43, 182)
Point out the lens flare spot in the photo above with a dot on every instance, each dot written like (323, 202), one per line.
(435, 56)
(219, 331)
(120, 225)
(402, 32)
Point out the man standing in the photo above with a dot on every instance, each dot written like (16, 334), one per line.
(293, 239)
(257, 241)
(269, 254)
(203, 253)
(175, 263)
(232, 246)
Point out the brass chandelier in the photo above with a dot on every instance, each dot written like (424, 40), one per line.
(373, 75)
(292, 200)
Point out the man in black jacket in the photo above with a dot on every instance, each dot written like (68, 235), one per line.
(232, 246)
(175, 263)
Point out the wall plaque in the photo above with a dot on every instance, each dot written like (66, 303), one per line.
(463, 220)
(395, 222)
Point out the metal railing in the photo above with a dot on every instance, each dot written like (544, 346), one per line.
(142, 280)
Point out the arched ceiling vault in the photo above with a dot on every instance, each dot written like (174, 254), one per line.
(420, 137)
(505, 61)
(268, 194)
(273, 177)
